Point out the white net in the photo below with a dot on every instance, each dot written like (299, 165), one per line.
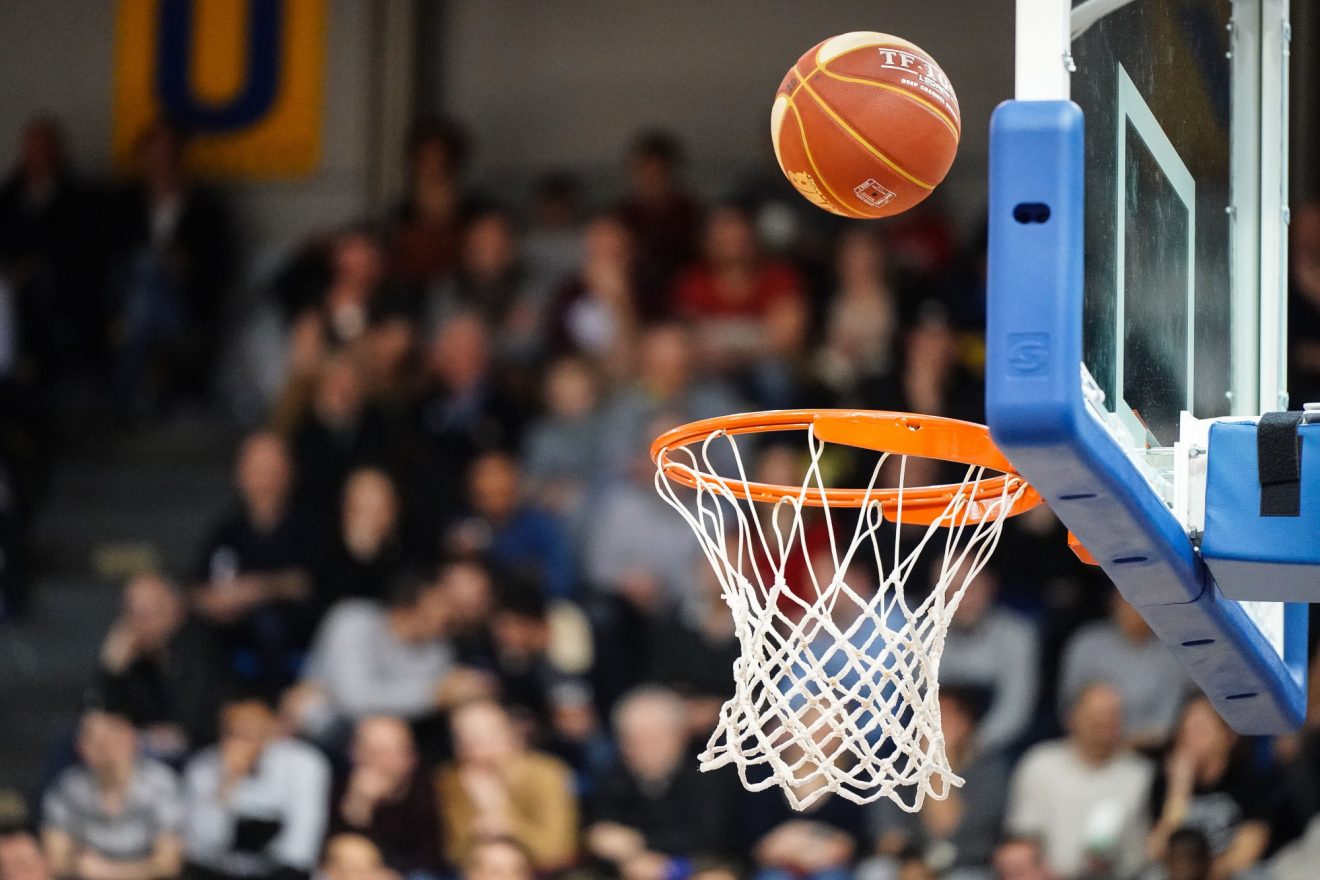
(837, 682)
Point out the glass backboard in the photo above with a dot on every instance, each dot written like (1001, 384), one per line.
(1136, 290)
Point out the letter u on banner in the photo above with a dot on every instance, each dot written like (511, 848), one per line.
(244, 78)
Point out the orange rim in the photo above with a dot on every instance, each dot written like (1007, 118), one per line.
(891, 432)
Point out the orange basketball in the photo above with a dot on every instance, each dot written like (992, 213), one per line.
(865, 125)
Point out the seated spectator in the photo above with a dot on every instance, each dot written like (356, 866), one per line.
(492, 281)
(750, 312)
(158, 665)
(352, 857)
(367, 551)
(699, 649)
(1021, 858)
(821, 840)
(664, 216)
(1084, 796)
(512, 533)
(596, 313)
(463, 411)
(1208, 782)
(960, 831)
(1122, 651)
(1304, 301)
(932, 378)
(552, 246)
(562, 455)
(862, 322)
(426, 223)
(46, 255)
(369, 660)
(339, 431)
(116, 815)
(528, 679)
(255, 801)
(252, 583)
(497, 786)
(174, 245)
(20, 856)
(386, 798)
(994, 651)
(498, 858)
(655, 809)
(667, 384)
(354, 299)
(469, 590)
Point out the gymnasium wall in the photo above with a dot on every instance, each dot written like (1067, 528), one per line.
(578, 83)
(58, 58)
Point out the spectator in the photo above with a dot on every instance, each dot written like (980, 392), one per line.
(116, 815)
(750, 313)
(256, 801)
(174, 247)
(699, 648)
(491, 281)
(1021, 858)
(960, 831)
(46, 255)
(369, 660)
(655, 810)
(352, 857)
(821, 840)
(252, 578)
(553, 245)
(469, 590)
(529, 679)
(1207, 782)
(463, 413)
(21, 858)
(386, 797)
(498, 858)
(640, 550)
(356, 299)
(425, 237)
(158, 665)
(367, 552)
(666, 384)
(596, 313)
(993, 651)
(341, 430)
(662, 214)
(562, 454)
(862, 321)
(511, 532)
(1084, 796)
(496, 786)
(1122, 651)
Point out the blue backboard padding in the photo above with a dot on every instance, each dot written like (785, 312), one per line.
(1038, 417)
(1261, 558)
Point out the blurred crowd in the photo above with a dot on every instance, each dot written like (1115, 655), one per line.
(449, 629)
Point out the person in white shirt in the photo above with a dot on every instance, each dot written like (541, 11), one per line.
(256, 802)
(1085, 796)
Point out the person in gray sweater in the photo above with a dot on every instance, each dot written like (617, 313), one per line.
(396, 660)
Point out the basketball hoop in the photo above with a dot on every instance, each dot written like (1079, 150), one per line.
(836, 686)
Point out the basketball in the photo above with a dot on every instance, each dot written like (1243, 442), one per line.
(865, 125)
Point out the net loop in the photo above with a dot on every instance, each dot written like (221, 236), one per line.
(836, 687)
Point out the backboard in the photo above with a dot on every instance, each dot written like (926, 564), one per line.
(1137, 271)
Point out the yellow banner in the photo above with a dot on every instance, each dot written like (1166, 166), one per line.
(244, 78)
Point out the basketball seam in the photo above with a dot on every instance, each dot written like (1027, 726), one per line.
(806, 148)
(954, 127)
(829, 111)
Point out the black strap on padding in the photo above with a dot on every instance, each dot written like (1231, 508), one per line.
(1279, 459)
